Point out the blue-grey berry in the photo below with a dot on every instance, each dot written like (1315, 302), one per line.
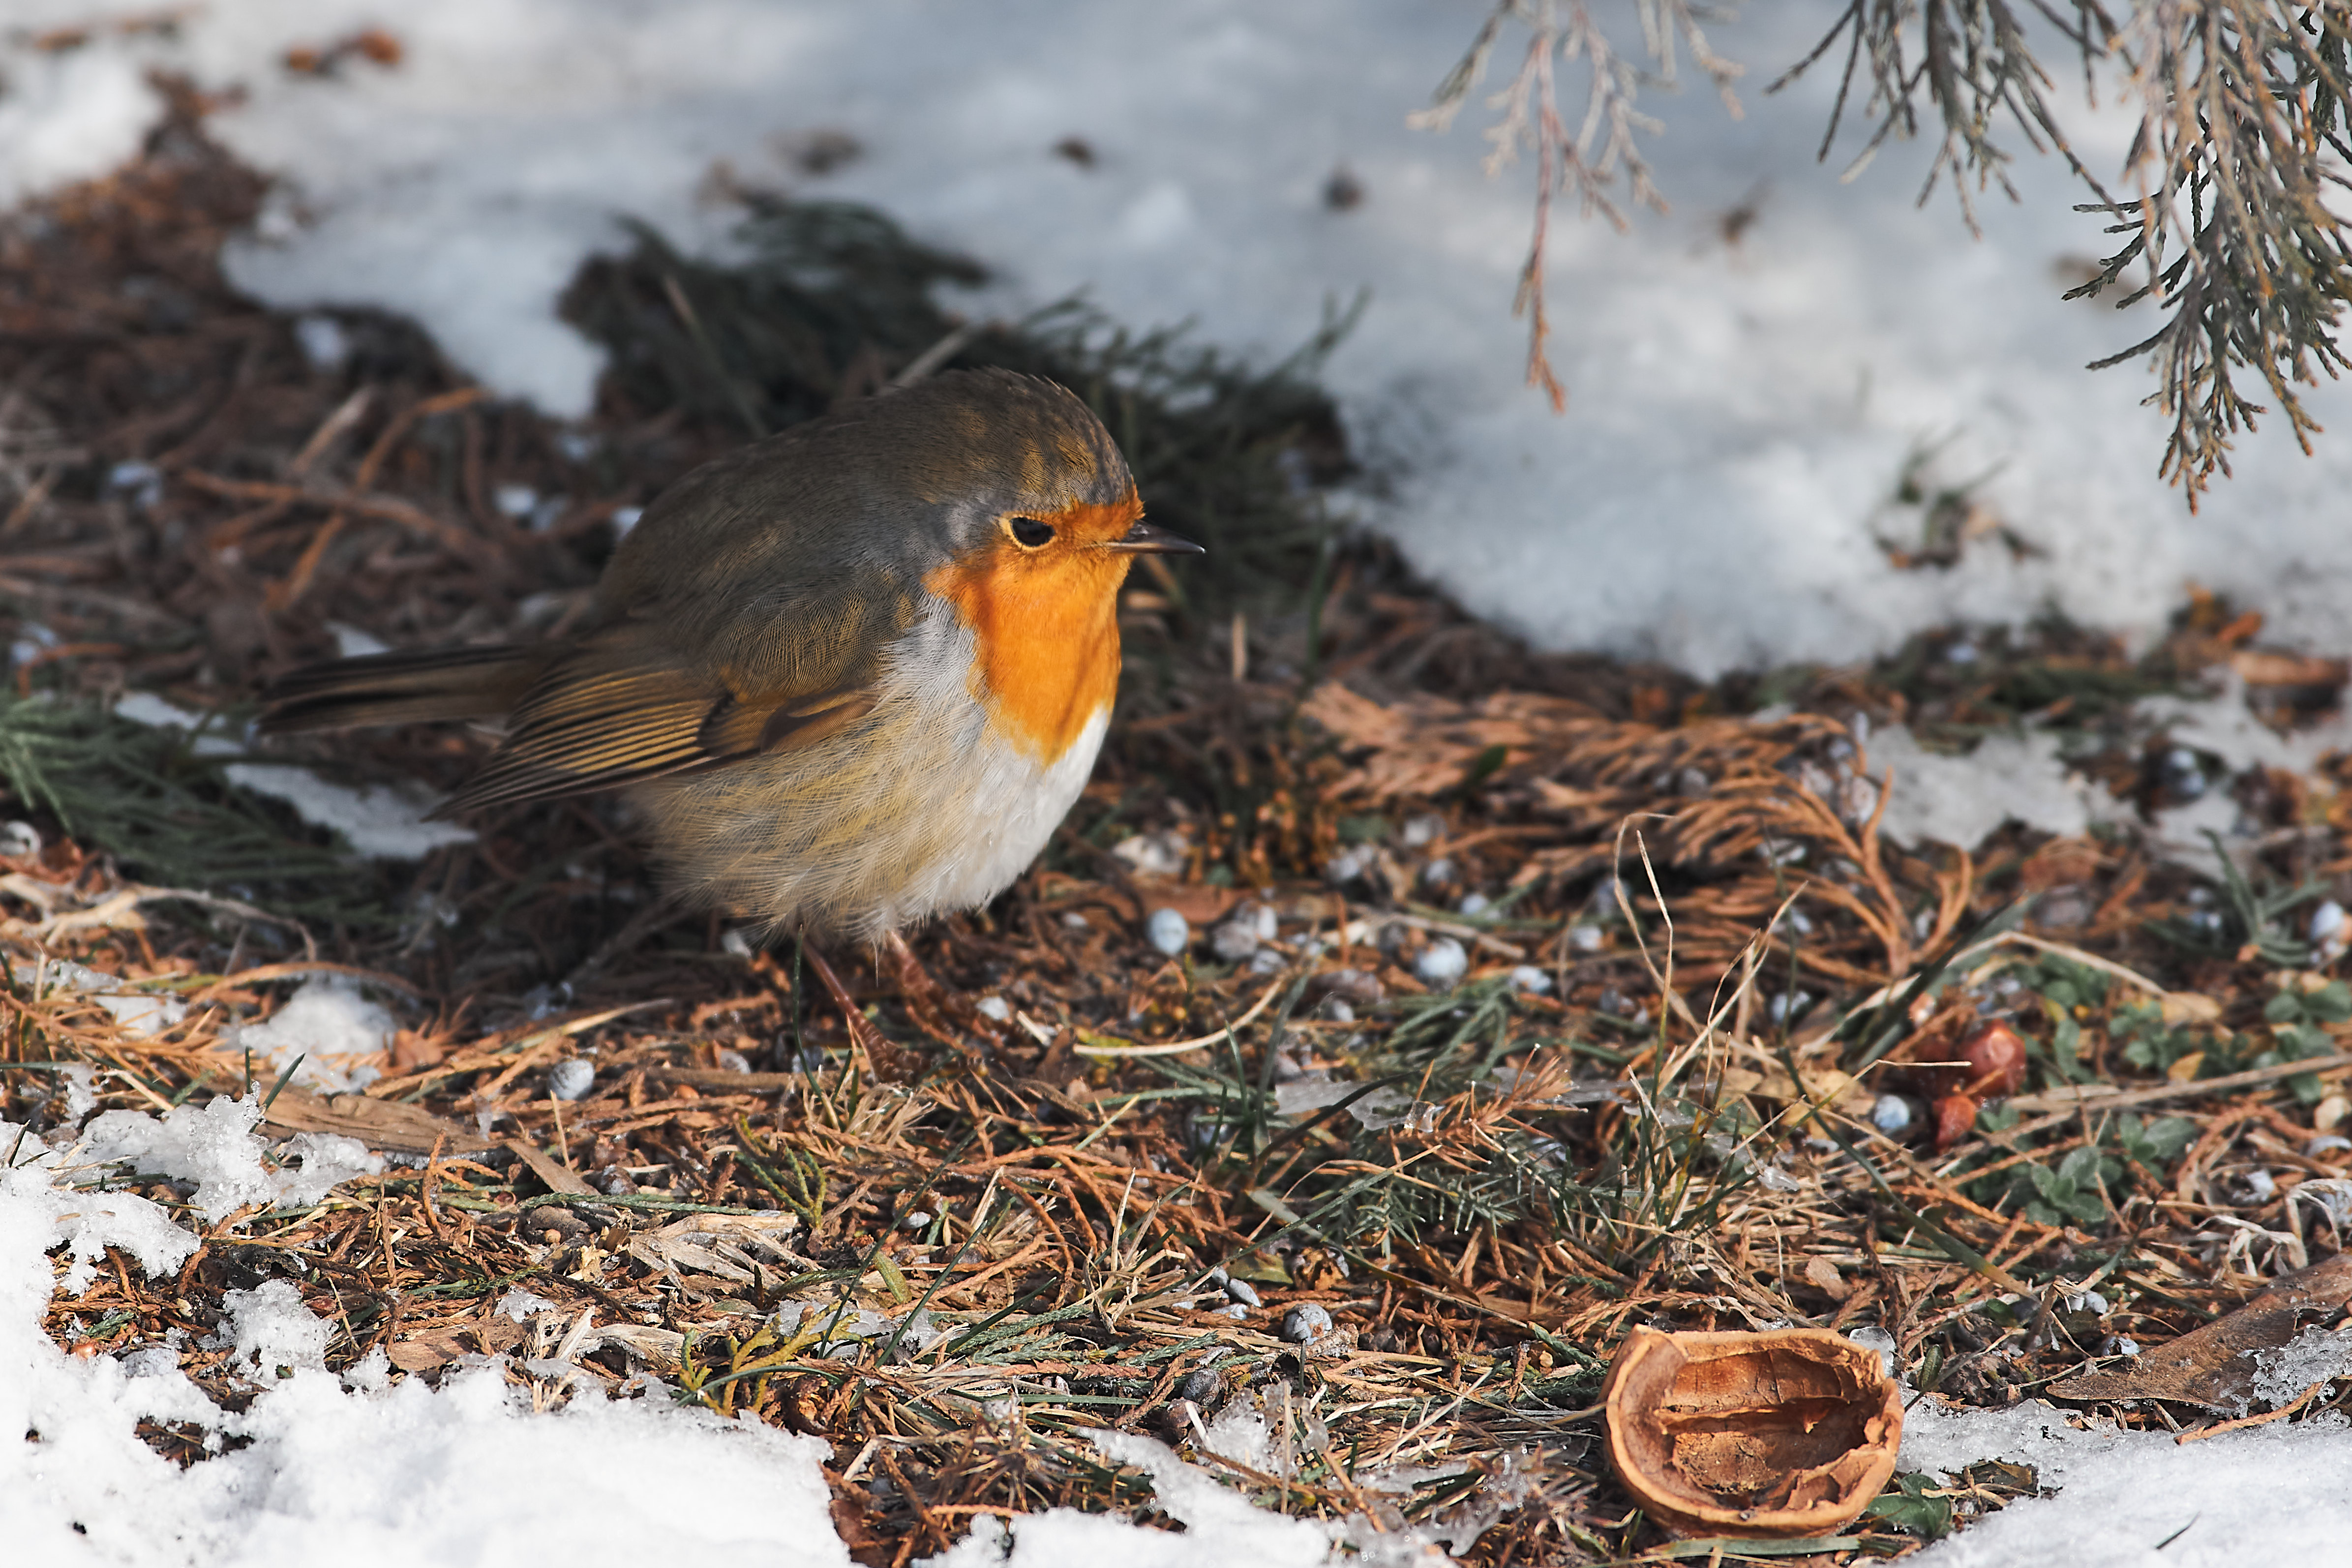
(1200, 1385)
(1169, 931)
(1305, 1323)
(1236, 939)
(1442, 963)
(570, 1078)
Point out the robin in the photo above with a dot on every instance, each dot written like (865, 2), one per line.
(851, 676)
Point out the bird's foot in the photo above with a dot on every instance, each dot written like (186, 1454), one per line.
(862, 1032)
(936, 1011)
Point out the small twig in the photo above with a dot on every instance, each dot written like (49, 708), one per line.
(925, 363)
(2281, 1414)
(118, 911)
(388, 509)
(2071, 1099)
(1103, 1045)
(303, 971)
(347, 414)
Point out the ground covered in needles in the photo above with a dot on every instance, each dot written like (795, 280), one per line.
(1401, 1017)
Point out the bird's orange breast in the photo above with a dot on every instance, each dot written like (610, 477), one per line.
(1046, 633)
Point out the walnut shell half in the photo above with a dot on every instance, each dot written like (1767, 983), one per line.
(1788, 1433)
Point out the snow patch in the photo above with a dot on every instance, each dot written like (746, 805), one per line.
(271, 1330)
(1239, 1433)
(2025, 777)
(1963, 799)
(351, 1469)
(2226, 727)
(87, 1222)
(70, 114)
(383, 822)
(519, 1305)
(213, 1146)
(2280, 1494)
(338, 1036)
(146, 707)
(1221, 1526)
(140, 1012)
(2284, 1376)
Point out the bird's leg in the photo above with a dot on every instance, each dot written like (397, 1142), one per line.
(926, 1004)
(862, 1032)
(933, 1007)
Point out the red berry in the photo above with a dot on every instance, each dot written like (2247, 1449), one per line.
(1954, 1115)
(1996, 1061)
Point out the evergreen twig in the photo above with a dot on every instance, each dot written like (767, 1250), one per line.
(2238, 229)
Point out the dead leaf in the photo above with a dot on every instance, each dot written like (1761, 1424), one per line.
(721, 1245)
(2214, 1366)
(2190, 1007)
(558, 1178)
(378, 1123)
(660, 1347)
(1828, 1086)
(431, 1348)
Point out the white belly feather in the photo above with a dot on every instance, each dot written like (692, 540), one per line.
(921, 808)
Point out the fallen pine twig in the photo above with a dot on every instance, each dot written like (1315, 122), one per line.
(2281, 1414)
(388, 508)
(2089, 1096)
(727, 1082)
(301, 969)
(510, 1043)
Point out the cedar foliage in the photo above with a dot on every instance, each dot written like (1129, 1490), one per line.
(2221, 211)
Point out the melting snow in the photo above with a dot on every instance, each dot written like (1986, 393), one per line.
(355, 1468)
(2280, 1494)
(338, 1035)
(384, 822)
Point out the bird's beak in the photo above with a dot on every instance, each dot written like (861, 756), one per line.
(1145, 540)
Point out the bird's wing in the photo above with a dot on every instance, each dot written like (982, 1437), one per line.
(622, 708)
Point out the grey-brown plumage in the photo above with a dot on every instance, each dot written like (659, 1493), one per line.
(745, 610)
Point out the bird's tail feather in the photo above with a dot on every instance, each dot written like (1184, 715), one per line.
(400, 689)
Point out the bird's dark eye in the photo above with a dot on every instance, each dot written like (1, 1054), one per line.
(1029, 533)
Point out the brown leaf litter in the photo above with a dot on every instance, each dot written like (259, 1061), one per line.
(1597, 1002)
